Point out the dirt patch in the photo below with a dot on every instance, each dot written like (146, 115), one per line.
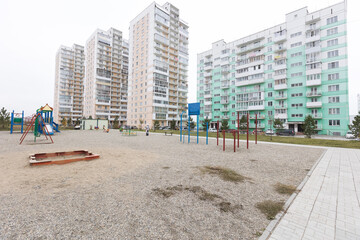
(225, 174)
(270, 208)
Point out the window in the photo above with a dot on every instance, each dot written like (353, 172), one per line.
(296, 95)
(296, 44)
(334, 111)
(333, 88)
(313, 77)
(297, 84)
(334, 99)
(269, 67)
(334, 122)
(269, 85)
(269, 39)
(270, 104)
(295, 34)
(296, 54)
(269, 94)
(298, 74)
(331, 20)
(297, 64)
(334, 53)
(332, 42)
(269, 58)
(333, 65)
(297, 115)
(333, 76)
(296, 105)
(269, 75)
(270, 49)
(332, 31)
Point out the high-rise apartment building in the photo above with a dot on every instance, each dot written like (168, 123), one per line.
(158, 66)
(285, 72)
(106, 76)
(69, 79)
(358, 102)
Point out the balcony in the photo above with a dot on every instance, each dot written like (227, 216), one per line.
(207, 67)
(225, 117)
(281, 96)
(316, 115)
(225, 85)
(312, 60)
(279, 66)
(207, 95)
(280, 86)
(280, 115)
(224, 101)
(252, 125)
(256, 107)
(281, 106)
(313, 49)
(161, 39)
(313, 71)
(314, 104)
(224, 109)
(280, 76)
(313, 38)
(280, 38)
(315, 82)
(259, 116)
(318, 127)
(249, 82)
(208, 74)
(280, 49)
(313, 94)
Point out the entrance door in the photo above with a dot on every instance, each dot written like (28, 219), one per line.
(300, 128)
(292, 127)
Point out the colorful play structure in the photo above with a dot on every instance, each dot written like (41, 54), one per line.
(17, 119)
(42, 123)
(194, 109)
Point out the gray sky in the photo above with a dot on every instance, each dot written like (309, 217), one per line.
(32, 31)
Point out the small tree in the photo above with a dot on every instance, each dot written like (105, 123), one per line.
(156, 125)
(63, 122)
(192, 123)
(116, 122)
(224, 124)
(141, 121)
(278, 124)
(77, 122)
(90, 117)
(69, 122)
(172, 124)
(355, 126)
(309, 126)
(206, 120)
(243, 122)
(4, 117)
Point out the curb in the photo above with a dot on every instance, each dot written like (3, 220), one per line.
(273, 224)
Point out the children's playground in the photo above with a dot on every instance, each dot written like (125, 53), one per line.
(144, 187)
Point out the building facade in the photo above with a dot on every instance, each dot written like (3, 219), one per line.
(358, 102)
(158, 66)
(285, 72)
(69, 80)
(106, 76)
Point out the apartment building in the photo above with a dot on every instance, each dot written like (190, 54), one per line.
(106, 76)
(358, 103)
(158, 82)
(69, 79)
(284, 72)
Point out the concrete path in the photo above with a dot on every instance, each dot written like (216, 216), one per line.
(328, 205)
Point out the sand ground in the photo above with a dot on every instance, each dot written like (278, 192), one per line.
(115, 197)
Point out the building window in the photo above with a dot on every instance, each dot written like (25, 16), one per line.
(334, 111)
(269, 58)
(270, 104)
(296, 44)
(333, 65)
(333, 76)
(295, 34)
(331, 20)
(269, 94)
(334, 53)
(333, 88)
(332, 42)
(332, 31)
(270, 85)
(334, 99)
(334, 122)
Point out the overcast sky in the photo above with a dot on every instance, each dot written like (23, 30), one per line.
(33, 30)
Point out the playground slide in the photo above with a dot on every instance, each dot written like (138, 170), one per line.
(56, 127)
(49, 128)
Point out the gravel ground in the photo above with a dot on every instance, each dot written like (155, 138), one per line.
(119, 196)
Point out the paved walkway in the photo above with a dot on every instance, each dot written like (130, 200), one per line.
(328, 205)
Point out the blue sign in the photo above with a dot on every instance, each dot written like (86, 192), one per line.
(194, 109)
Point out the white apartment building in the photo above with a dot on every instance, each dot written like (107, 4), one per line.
(158, 83)
(69, 78)
(106, 76)
(358, 102)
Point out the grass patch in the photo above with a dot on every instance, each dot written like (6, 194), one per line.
(225, 174)
(202, 194)
(289, 140)
(270, 208)
(168, 192)
(285, 189)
